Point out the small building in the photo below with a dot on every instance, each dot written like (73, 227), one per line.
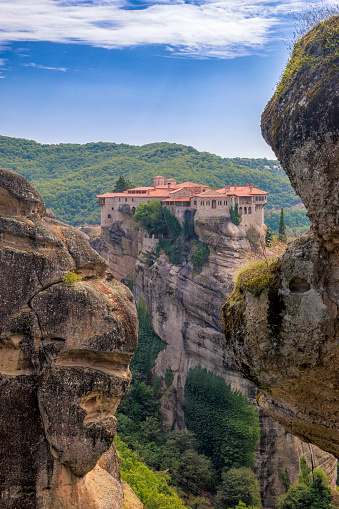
(187, 196)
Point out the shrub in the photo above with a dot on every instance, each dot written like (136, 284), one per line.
(71, 278)
(199, 255)
(239, 485)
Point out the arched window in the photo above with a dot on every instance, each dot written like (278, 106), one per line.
(250, 210)
(214, 204)
(245, 210)
(208, 202)
(240, 210)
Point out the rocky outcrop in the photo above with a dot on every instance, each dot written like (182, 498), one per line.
(185, 307)
(68, 331)
(285, 337)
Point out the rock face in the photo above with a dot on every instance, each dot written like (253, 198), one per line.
(285, 338)
(64, 356)
(186, 313)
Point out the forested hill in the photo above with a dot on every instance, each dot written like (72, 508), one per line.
(69, 176)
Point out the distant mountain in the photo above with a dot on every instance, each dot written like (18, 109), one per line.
(69, 176)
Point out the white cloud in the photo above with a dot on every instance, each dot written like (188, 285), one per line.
(200, 28)
(38, 66)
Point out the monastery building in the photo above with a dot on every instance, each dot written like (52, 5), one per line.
(187, 196)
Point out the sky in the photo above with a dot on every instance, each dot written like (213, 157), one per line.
(193, 72)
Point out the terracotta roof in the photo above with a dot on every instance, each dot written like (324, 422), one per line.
(241, 191)
(210, 193)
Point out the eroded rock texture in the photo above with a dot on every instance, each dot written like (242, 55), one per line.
(286, 337)
(64, 356)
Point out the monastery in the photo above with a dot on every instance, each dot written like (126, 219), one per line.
(187, 196)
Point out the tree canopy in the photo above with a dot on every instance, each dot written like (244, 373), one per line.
(225, 423)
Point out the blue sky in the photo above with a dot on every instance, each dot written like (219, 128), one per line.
(196, 72)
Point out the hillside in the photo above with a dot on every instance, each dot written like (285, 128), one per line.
(69, 176)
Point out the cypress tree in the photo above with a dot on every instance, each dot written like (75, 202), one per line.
(282, 228)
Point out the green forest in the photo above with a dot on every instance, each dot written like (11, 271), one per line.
(69, 176)
(201, 464)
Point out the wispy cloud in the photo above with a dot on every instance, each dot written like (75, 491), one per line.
(38, 66)
(196, 28)
(2, 63)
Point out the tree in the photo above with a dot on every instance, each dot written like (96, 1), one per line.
(239, 485)
(225, 423)
(282, 228)
(235, 215)
(312, 491)
(122, 185)
(268, 236)
(150, 216)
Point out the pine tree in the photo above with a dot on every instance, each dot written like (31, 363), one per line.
(282, 228)
(122, 185)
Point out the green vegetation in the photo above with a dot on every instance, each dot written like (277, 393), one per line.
(69, 176)
(199, 255)
(179, 453)
(239, 485)
(122, 185)
(149, 345)
(151, 487)
(282, 228)
(225, 423)
(177, 242)
(150, 216)
(255, 278)
(235, 215)
(71, 278)
(311, 492)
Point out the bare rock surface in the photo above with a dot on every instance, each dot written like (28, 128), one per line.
(185, 307)
(285, 337)
(64, 356)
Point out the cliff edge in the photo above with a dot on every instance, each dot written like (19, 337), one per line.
(282, 322)
(67, 334)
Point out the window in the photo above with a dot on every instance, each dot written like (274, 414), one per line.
(112, 208)
(119, 199)
(125, 199)
(195, 203)
(214, 204)
(132, 199)
(245, 210)
(208, 202)
(250, 210)
(240, 210)
(109, 216)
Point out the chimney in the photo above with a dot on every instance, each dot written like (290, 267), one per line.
(227, 190)
(235, 186)
(247, 185)
(251, 188)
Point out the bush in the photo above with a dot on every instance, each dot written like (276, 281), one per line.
(199, 255)
(71, 278)
(312, 491)
(239, 485)
(152, 488)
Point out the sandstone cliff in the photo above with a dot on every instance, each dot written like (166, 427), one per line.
(65, 348)
(285, 335)
(186, 313)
